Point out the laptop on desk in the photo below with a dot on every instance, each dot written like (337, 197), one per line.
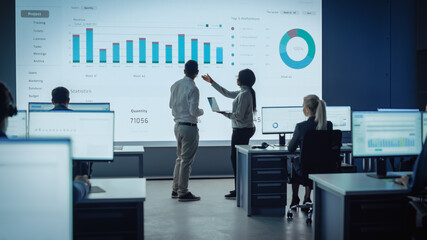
(214, 105)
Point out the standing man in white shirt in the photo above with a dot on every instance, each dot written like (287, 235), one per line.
(184, 103)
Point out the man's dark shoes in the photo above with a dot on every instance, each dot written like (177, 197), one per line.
(188, 197)
(174, 194)
(231, 195)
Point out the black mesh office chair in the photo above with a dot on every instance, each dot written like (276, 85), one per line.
(320, 153)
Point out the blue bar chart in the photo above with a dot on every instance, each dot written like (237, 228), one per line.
(207, 52)
(103, 55)
(89, 45)
(76, 48)
(395, 142)
(155, 52)
(219, 55)
(116, 52)
(194, 46)
(168, 53)
(142, 50)
(125, 51)
(181, 48)
(129, 51)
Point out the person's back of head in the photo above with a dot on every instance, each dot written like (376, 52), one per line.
(247, 78)
(7, 109)
(191, 69)
(60, 95)
(318, 108)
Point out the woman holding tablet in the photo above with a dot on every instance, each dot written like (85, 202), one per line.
(242, 115)
(315, 109)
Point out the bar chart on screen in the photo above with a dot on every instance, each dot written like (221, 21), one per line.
(147, 48)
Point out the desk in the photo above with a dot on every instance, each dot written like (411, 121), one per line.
(132, 151)
(261, 178)
(117, 213)
(355, 206)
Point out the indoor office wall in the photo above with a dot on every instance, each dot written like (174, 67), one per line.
(368, 62)
(7, 45)
(403, 70)
(422, 52)
(369, 53)
(421, 25)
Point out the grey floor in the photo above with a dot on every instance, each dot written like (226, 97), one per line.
(214, 217)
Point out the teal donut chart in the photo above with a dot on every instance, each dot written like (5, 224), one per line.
(311, 48)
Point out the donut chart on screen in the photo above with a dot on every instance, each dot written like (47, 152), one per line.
(311, 48)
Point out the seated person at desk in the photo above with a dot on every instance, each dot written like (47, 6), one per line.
(60, 99)
(81, 184)
(417, 181)
(315, 109)
(7, 109)
(81, 187)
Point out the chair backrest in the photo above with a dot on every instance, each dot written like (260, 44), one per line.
(320, 152)
(418, 184)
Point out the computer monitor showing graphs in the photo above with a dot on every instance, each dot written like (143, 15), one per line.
(91, 133)
(340, 117)
(45, 106)
(277, 120)
(17, 126)
(398, 110)
(36, 199)
(381, 134)
(424, 126)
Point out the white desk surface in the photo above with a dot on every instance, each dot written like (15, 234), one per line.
(129, 149)
(277, 149)
(123, 189)
(358, 183)
(271, 149)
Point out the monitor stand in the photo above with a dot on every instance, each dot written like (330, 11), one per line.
(282, 139)
(382, 170)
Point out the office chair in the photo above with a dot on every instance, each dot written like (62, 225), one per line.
(320, 153)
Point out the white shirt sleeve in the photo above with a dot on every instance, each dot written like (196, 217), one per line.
(193, 99)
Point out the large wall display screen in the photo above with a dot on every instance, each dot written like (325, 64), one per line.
(129, 53)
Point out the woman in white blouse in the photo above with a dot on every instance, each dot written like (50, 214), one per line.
(242, 115)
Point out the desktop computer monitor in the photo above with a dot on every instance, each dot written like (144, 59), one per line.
(91, 133)
(397, 110)
(17, 126)
(36, 189)
(46, 106)
(281, 120)
(424, 126)
(385, 134)
(340, 116)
